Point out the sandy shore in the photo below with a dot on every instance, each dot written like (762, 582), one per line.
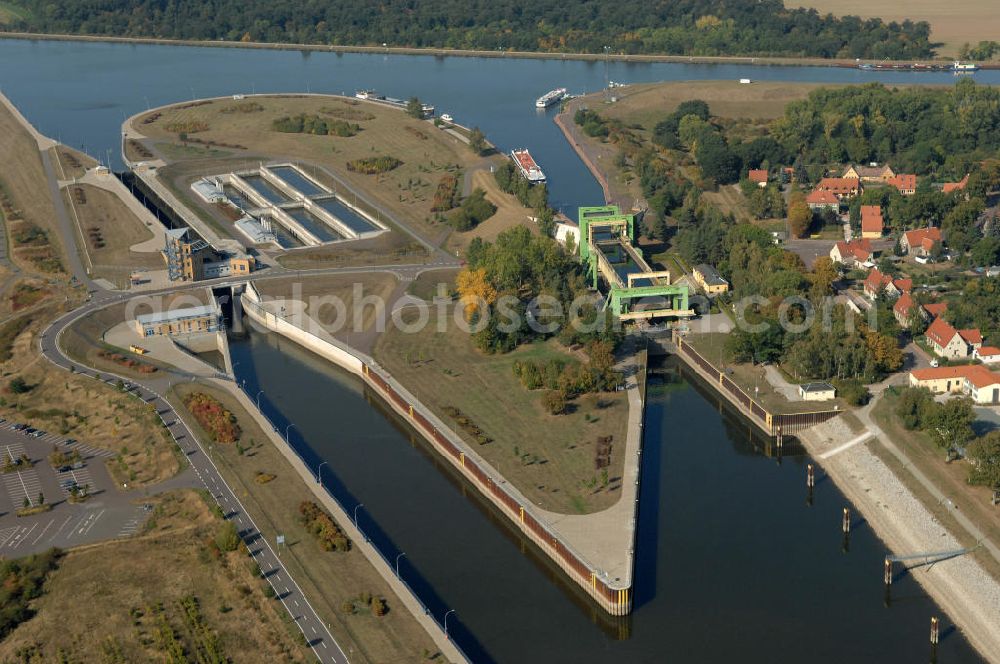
(969, 595)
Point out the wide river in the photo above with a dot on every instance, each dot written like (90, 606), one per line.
(732, 564)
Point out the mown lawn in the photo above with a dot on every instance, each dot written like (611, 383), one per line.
(550, 458)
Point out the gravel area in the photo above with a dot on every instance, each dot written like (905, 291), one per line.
(960, 585)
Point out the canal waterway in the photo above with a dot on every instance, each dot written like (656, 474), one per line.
(732, 564)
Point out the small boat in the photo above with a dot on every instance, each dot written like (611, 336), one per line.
(964, 67)
(446, 118)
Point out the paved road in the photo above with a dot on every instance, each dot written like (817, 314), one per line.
(291, 596)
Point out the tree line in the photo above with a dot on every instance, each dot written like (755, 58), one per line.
(679, 27)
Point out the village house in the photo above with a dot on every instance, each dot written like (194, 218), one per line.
(973, 380)
(820, 199)
(871, 173)
(878, 283)
(840, 187)
(905, 183)
(987, 354)
(758, 177)
(920, 242)
(854, 252)
(904, 309)
(949, 187)
(948, 342)
(935, 309)
(872, 224)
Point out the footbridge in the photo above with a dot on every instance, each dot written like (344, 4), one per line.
(635, 291)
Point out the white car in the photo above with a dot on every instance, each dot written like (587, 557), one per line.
(935, 364)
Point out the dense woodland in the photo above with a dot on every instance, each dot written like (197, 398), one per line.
(678, 27)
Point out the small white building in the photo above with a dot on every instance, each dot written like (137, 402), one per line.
(817, 392)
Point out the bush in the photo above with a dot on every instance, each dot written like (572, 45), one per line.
(853, 391)
(218, 422)
(474, 210)
(227, 538)
(323, 527)
(554, 402)
(313, 124)
(374, 165)
(17, 385)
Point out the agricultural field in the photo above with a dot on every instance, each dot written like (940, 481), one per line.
(952, 24)
(550, 458)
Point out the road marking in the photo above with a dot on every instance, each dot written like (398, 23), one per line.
(23, 536)
(849, 444)
(49, 525)
(7, 533)
(68, 519)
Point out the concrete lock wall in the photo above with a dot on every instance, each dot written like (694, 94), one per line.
(616, 600)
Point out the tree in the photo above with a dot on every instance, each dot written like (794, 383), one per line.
(477, 140)
(415, 108)
(17, 385)
(984, 460)
(227, 538)
(474, 289)
(799, 214)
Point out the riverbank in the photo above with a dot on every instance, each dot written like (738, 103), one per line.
(960, 585)
(470, 53)
(569, 129)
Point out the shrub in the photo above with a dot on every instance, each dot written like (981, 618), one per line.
(227, 538)
(374, 165)
(218, 422)
(446, 195)
(554, 401)
(474, 210)
(313, 124)
(853, 391)
(323, 527)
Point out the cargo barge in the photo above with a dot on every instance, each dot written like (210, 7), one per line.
(527, 166)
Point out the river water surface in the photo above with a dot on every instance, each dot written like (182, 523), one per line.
(732, 564)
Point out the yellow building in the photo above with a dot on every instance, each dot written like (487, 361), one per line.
(709, 279)
(973, 380)
(194, 260)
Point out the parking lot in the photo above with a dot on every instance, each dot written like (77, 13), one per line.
(106, 514)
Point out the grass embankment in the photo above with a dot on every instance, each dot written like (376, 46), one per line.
(148, 598)
(922, 453)
(406, 191)
(106, 229)
(509, 213)
(426, 285)
(752, 379)
(329, 578)
(70, 163)
(549, 458)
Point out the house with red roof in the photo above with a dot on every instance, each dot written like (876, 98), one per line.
(905, 183)
(821, 199)
(949, 187)
(905, 309)
(973, 380)
(877, 283)
(935, 309)
(872, 224)
(920, 242)
(948, 342)
(855, 252)
(758, 176)
(840, 187)
(987, 354)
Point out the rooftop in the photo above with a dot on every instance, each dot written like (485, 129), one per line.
(178, 314)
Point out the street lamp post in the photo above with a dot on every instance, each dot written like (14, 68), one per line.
(286, 430)
(400, 555)
(356, 513)
(258, 399)
(446, 623)
(319, 472)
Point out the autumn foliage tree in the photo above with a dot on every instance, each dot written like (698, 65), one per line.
(799, 214)
(474, 290)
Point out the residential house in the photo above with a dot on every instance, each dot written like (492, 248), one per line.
(920, 242)
(905, 183)
(904, 310)
(935, 309)
(758, 177)
(973, 380)
(854, 252)
(949, 187)
(877, 284)
(840, 187)
(987, 354)
(870, 173)
(820, 199)
(948, 342)
(872, 224)
(710, 280)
